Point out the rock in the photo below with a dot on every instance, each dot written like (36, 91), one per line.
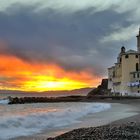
(100, 90)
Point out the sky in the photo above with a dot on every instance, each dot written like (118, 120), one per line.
(63, 44)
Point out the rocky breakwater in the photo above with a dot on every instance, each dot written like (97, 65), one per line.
(128, 131)
(22, 100)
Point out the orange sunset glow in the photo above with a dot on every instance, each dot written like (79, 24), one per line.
(16, 74)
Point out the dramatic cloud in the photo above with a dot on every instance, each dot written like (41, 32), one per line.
(123, 34)
(74, 6)
(77, 37)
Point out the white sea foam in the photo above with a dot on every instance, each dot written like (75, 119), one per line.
(27, 124)
(4, 101)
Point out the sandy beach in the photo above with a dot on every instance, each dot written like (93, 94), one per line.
(121, 111)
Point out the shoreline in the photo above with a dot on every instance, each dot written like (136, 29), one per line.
(132, 112)
(125, 128)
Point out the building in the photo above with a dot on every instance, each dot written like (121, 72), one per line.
(124, 76)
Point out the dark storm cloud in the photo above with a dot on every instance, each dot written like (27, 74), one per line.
(72, 40)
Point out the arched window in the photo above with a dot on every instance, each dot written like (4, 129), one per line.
(137, 66)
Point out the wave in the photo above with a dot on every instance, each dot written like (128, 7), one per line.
(14, 126)
(4, 101)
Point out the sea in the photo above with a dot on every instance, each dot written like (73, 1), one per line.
(30, 119)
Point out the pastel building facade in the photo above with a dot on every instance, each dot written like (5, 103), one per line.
(124, 76)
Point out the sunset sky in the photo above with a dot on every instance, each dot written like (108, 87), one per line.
(63, 44)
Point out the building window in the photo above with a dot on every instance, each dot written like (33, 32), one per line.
(113, 73)
(136, 56)
(126, 56)
(137, 66)
(134, 75)
(138, 86)
(138, 75)
(138, 91)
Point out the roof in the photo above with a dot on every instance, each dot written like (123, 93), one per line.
(128, 52)
(131, 52)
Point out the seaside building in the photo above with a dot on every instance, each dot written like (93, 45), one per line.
(124, 76)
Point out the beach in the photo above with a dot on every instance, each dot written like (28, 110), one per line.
(121, 112)
(127, 128)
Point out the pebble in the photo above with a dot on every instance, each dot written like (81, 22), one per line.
(128, 131)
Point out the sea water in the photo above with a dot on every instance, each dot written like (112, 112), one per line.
(28, 119)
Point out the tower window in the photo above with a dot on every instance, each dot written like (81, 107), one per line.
(126, 56)
(138, 91)
(136, 56)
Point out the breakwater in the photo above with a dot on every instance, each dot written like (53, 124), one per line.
(23, 100)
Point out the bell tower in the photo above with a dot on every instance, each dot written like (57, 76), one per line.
(138, 41)
(122, 49)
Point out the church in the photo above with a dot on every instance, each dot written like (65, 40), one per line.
(124, 76)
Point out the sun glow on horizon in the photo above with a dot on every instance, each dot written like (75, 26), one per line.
(54, 85)
(16, 74)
